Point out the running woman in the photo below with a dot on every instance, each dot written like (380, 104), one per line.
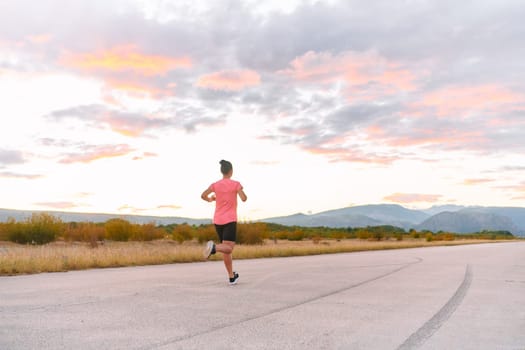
(224, 192)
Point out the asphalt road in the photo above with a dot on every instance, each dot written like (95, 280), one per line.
(463, 297)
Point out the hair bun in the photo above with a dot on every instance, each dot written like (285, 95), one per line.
(226, 166)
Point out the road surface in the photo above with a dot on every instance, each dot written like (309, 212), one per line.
(462, 297)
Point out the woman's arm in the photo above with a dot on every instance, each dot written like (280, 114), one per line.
(206, 195)
(242, 195)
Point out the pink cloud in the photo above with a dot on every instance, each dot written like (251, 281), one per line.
(343, 154)
(357, 70)
(39, 39)
(93, 153)
(469, 182)
(129, 208)
(230, 80)
(11, 175)
(137, 88)
(132, 126)
(322, 68)
(456, 100)
(57, 205)
(125, 69)
(517, 190)
(412, 198)
(145, 155)
(451, 139)
(376, 131)
(126, 58)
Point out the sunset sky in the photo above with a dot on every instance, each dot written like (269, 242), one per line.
(128, 106)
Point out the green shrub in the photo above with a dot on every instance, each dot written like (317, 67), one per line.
(250, 233)
(84, 232)
(429, 237)
(147, 232)
(414, 234)
(183, 232)
(445, 237)
(363, 234)
(15, 232)
(206, 233)
(377, 235)
(118, 230)
(40, 228)
(280, 235)
(338, 235)
(296, 235)
(3, 232)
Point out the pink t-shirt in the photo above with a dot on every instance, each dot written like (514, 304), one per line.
(225, 201)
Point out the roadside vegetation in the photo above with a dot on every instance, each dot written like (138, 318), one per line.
(43, 243)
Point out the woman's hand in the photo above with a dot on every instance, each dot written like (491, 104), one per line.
(206, 195)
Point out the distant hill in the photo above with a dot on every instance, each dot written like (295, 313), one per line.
(436, 209)
(358, 216)
(516, 214)
(322, 219)
(468, 221)
(391, 214)
(453, 218)
(19, 215)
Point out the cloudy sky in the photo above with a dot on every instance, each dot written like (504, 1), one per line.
(128, 106)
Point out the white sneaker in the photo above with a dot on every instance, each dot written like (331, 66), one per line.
(209, 249)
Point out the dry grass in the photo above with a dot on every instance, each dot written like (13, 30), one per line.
(55, 257)
(59, 256)
(300, 248)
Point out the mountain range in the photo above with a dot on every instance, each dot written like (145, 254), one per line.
(452, 218)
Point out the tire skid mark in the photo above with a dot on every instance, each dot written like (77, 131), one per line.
(265, 278)
(281, 309)
(430, 327)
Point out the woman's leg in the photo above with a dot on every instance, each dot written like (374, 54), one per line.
(226, 248)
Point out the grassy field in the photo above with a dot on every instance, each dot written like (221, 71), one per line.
(60, 256)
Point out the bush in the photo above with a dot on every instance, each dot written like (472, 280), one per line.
(280, 235)
(445, 237)
(15, 231)
(363, 234)
(206, 233)
(182, 233)
(147, 232)
(84, 232)
(118, 230)
(414, 233)
(250, 233)
(338, 235)
(41, 228)
(3, 232)
(429, 237)
(377, 235)
(296, 235)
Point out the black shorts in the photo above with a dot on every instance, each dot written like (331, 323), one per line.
(227, 232)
